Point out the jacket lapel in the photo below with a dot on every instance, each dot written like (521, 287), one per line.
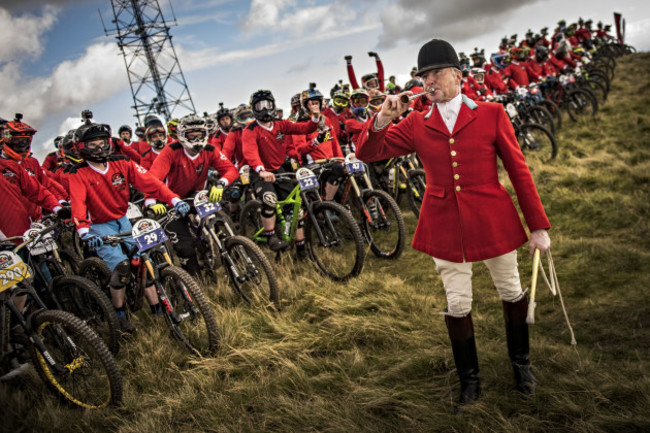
(433, 120)
(465, 115)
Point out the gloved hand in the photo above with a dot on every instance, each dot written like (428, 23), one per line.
(182, 208)
(372, 54)
(93, 241)
(159, 209)
(322, 137)
(64, 213)
(348, 58)
(216, 192)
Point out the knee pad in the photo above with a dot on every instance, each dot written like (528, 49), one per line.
(269, 200)
(121, 275)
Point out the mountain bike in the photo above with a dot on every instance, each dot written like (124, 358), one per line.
(377, 214)
(402, 176)
(69, 356)
(532, 136)
(185, 308)
(249, 271)
(332, 237)
(62, 291)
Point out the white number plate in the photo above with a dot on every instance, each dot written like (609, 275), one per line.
(148, 233)
(245, 175)
(307, 179)
(44, 245)
(203, 205)
(12, 270)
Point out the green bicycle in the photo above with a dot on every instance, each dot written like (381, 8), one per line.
(332, 237)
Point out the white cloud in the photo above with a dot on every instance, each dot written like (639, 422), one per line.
(21, 36)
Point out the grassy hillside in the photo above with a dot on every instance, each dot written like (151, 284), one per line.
(373, 354)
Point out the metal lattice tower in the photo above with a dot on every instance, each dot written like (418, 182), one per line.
(155, 75)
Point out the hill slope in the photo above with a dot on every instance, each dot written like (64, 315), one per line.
(373, 355)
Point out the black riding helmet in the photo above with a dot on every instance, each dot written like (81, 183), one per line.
(90, 132)
(263, 104)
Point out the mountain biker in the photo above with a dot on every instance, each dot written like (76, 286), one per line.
(99, 194)
(232, 147)
(156, 139)
(52, 159)
(265, 149)
(183, 165)
(224, 123)
(368, 81)
(15, 157)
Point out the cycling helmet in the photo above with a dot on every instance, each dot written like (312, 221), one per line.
(57, 141)
(210, 123)
(263, 104)
(541, 53)
(376, 99)
(17, 138)
(171, 128)
(370, 81)
(139, 131)
(413, 82)
(463, 61)
(223, 113)
(478, 74)
(150, 132)
(124, 128)
(311, 95)
(244, 114)
(151, 119)
(478, 58)
(89, 132)
(68, 148)
(340, 101)
(359, 101)
(193, 132)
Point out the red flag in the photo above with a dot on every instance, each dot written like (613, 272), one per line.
(620, 27)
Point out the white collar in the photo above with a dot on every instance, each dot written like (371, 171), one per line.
(222, 131)
(190, 156)
(452, 106)
(268, 129)
(98, 170)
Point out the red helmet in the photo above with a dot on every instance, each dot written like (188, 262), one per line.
(17, 138)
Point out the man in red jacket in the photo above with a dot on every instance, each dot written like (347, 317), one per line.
(467, 215)
(183, 166)
(99, 195)
(265, 149)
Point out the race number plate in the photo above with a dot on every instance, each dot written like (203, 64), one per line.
(133, 212)
(12, 270)
(44, 245)
(512, 110)
(354, 166)
(245, 174)
(148, 233)
(203, 205)
(307, 179)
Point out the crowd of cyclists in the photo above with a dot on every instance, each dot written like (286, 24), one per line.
(95, 173)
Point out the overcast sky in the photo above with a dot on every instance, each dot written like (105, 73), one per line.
(56, 61)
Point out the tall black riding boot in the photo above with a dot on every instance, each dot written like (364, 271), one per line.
(461, 334)
(517, 336)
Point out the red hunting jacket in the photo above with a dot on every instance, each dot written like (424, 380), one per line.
(466, 215)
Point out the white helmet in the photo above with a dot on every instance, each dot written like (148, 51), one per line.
(211, 123)
(187, 130)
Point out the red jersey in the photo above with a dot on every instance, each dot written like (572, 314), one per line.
(469, 87)
(184, 173)
(128, 150)
(336, 122)
(50, 162)
(218, 139)
(16, 188)
(149, 157)
(328, 149)
(100, 197)
(354, 127)
(232, 148)
(518, 72)
(265, 148)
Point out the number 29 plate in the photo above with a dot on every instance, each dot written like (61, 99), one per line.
(148, 233)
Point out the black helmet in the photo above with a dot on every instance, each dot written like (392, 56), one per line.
(90, 132)
(478, 58)
(541, 53)
(124, 128)
(436, 54)
(69, 149)
(223, 112)
(263, 104)
(151, 120)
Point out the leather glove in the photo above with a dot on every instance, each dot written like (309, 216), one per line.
(480, 91)
(372, 54)
(348, 58)
(216, 192)
(322, 137)
(182, 208)
(158, 209)
(64, 213)
(93, 241)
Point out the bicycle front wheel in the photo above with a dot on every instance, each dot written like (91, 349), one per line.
(384, 225)
(84, 373)
(251, 272)
(83, 298)
(417, 184)
(539, 140)
(581, 104)
(334, 241)
(192, 320)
